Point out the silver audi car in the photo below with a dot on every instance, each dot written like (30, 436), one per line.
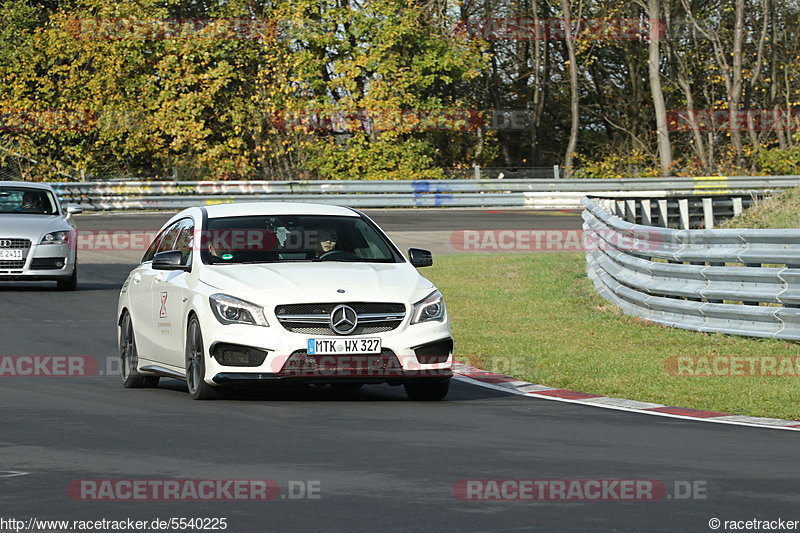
(37, 238)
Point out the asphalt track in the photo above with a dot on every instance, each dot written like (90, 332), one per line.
(382, 462)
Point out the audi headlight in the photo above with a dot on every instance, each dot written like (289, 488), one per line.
(57, 237)
(230, 310)
(429, 309)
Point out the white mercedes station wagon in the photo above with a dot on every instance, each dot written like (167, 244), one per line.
(37, 239)
(250, 293)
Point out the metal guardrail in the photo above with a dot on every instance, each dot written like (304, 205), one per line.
(735, 281)
(704, 212)
(539, 193)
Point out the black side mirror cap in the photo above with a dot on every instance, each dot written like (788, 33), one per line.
(420, 258)
(171, 260)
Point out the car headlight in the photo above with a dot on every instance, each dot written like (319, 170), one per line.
(428, 309)
(230, 310)
(57, 237)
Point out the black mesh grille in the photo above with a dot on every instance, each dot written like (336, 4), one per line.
(310, 329)
(326, 308)
(14, 243)
(301, 364)
(9, 243)
(437, 352)
(235, 355)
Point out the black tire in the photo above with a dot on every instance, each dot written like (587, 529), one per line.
(427, 390)
(70, 283)
(129, 358)
(196, 364)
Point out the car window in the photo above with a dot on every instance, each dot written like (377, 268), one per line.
(27, 201)
(287, 238)
(185, 240)
(163, 242)
(167, 242)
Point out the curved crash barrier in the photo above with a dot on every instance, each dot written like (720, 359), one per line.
(736, 281)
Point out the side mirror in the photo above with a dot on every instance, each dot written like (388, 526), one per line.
(171, 260)
(73, 209)
(419, 257)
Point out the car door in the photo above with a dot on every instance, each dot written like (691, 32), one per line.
(144, 301)
(169, 288)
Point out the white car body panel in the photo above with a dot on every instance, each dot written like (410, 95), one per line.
(161, 302)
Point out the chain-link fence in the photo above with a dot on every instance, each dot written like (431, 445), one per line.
(527, 173)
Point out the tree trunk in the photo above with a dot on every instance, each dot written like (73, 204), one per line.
(660, 108)
(573, 85)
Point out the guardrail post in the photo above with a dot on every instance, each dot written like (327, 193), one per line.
(737, 206)
(708, 213)
(662, 213)
(630, 211)
(647, 213)
(477, 170)
(556, 172)
(683, 210)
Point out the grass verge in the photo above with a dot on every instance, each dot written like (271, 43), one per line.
(536, 317)
(779, 211)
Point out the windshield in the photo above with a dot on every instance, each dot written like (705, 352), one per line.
(294, 238)
(26, 201)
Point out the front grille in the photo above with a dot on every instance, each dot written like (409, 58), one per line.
(9, 243)
(48, 263)
(314, 319)
(236, 355)
(6, 242)
(305, 329)
(302, 364)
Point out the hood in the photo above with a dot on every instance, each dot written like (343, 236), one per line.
(31, 227)
(283, 283)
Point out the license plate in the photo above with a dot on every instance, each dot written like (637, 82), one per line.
(10, 255)
(335, 346)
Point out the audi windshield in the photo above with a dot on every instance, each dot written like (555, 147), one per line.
(26, 201)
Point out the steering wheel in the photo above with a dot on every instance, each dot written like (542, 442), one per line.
(334, 255)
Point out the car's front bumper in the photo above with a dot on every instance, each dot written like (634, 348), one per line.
(411, 352)
(40, 263)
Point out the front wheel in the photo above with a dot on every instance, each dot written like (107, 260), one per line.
(129, 358)
(427, 390)
(196, 364)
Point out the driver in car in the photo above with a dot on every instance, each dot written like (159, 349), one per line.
(29, 202)
(326, 242)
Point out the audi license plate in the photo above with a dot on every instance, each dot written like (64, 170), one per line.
(10, 255)
(336, 346)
